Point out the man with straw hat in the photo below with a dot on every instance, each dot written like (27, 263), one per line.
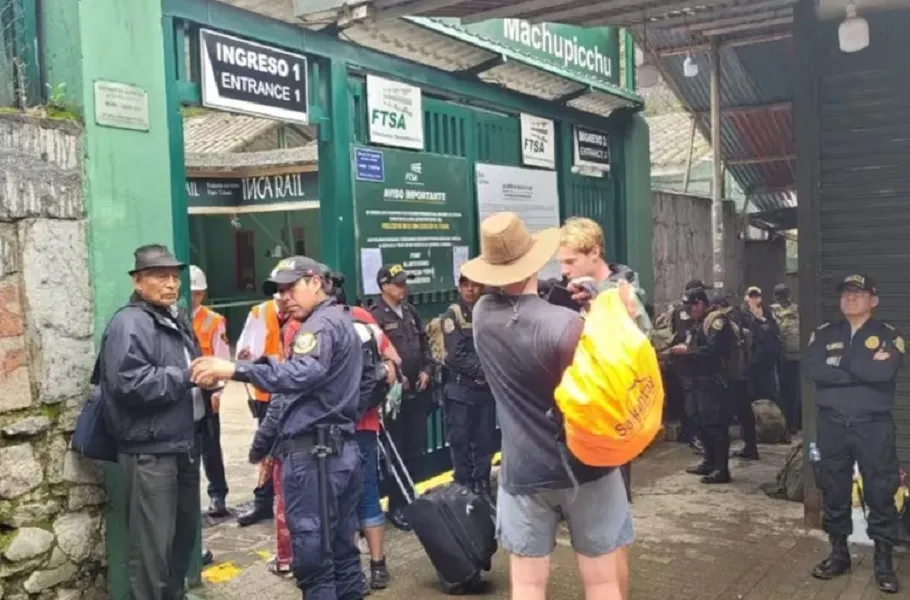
(524, 344)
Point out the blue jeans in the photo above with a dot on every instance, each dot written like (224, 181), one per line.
(369, 511)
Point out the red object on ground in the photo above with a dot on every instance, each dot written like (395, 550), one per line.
(282, 535)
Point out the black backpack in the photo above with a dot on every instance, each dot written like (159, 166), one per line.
(373, 386)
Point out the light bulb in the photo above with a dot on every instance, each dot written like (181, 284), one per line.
(853, 33)
(647, 75)
(690, 67)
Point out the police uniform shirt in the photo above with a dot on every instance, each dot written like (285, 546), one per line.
(709, 346)
(848, 377)
(458, 333)
(319, 384)
(404, 328)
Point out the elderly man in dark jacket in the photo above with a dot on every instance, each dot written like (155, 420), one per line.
(155, 413)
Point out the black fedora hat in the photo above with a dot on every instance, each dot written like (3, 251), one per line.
(154, 256)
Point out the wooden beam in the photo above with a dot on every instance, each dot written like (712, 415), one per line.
(746, 41)
(760, 160)
(749, 19)
(781, 22)
(671, 22)
(636, 17)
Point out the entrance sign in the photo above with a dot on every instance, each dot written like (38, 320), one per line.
(532, 194)
(395, 113)
(121, 105)
(421, 216)
(246, 77)
(538, 142)
(261, 191)
(592, 149)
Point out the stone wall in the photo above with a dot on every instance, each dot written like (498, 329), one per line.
(681, 245)
(51, 527)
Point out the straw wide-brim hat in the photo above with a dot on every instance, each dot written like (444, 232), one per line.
(509, 253)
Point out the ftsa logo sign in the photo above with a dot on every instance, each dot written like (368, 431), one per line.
(413, 175)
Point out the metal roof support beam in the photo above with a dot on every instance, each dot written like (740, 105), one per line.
(746, 41)
(630, 17)
(721, 12)
(781, 22)
(717, 198)
(762, 190)
(760, 160)
(751, 109)
(486, 65)
(749, 19)
(595, 10)
(510, 10)
(393, 10)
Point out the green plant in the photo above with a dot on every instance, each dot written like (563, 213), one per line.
(56, 96)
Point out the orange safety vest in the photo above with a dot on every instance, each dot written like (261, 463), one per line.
(268, 311)
(205, 324)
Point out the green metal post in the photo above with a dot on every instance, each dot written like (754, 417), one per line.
(336, 197)
(629, 58)
(25, 14)
(173, 56)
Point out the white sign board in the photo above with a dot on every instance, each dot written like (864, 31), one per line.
(249, 78)
(395, 112)
(530, 193)
(538, 142)
(121, 105)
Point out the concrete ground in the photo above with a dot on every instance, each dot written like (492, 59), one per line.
(693, 542)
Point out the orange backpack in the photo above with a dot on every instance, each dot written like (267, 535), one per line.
(611, 396)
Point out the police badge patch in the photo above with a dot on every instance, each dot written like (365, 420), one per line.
(305, 343)
(717, 324)
(448, 326)
(872, 342)
(899, 344)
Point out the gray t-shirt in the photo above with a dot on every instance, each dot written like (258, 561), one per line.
(524, 344)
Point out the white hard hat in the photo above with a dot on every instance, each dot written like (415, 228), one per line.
(198, 282)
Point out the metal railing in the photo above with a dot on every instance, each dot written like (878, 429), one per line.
(20, 80)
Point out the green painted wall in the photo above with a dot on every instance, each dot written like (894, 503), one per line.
(127, 173)
(61, 37)
(636, 204)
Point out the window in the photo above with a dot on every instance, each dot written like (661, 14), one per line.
(245, 260)
(299, 242)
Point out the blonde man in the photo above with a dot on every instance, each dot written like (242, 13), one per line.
(581, 257)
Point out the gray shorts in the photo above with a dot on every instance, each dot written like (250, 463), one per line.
(599, 518)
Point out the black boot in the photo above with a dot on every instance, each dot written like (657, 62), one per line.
(217, 507)
(702, 468)
(379, 574)
(255, 515)
(837, 563)
(884, 569)
(717, 477)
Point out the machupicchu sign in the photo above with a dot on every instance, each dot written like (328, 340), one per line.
(253, 79)
(395, 113)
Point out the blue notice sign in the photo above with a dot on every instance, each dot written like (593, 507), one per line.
(369, 165)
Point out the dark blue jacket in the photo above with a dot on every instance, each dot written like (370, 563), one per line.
(145, 380)
(847, 377)
(319, 383)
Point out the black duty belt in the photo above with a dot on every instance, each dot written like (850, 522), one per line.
(307, 442)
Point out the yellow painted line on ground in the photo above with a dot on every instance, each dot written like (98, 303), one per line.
(220, 573)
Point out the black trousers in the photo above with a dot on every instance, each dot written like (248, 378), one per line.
(868, 441)
(213, 458)
(162, 500)
(409, 433)
(742, 399)
(709, 396)
(470, 419)
(264, 494)
(791, 393)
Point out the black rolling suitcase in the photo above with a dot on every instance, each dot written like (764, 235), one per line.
(457, 531)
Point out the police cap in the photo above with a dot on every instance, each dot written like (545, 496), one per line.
(291, 270)
(781, 290)
(862, 283)
(753, 291)
(696, 295)
(694, 284)
(392, 274)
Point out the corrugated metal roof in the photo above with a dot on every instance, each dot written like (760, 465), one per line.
(227, 161)
(670, 135)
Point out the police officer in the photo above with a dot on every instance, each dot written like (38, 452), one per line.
(854, 364)
(312, 414)
(401, 323)
(670, 329)
(470, 412)
(704, 372)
